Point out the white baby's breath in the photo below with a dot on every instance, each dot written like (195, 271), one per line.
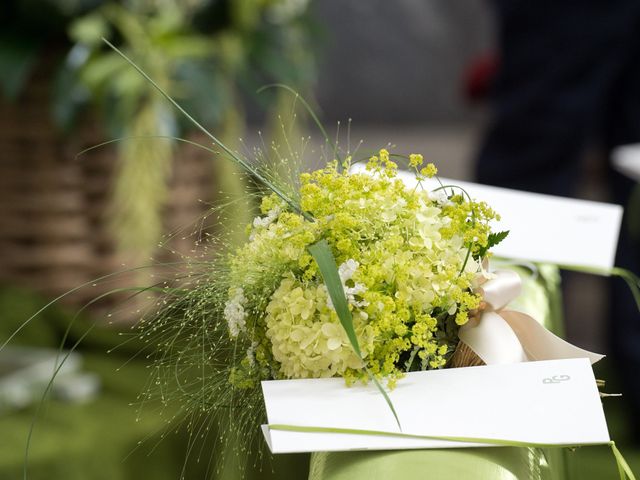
(440, 197)
(346, 272)
(263, 222)
(234, 312)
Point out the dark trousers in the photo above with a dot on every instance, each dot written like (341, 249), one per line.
(569, 76)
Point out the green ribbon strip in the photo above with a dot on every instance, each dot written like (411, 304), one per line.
(631, 279)
(624, 469)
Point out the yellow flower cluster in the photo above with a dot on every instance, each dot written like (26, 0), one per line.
(415, 161)
(406, 262)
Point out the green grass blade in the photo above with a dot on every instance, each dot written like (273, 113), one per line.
(632, 281)
(386, 397)
(630, 278)
(24, 324)
(321, 252)
(244, 164)
(172, 101)
(309, 110)
(624, 469)
(144, 137)
(323, 256)
(44, 396)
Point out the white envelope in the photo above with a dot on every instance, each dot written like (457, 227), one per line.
(545, 228)
(554, 402)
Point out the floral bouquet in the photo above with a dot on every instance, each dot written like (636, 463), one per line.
(351, 274)
(407, 261)
(346, 273)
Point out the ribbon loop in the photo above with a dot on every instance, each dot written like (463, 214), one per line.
(507, 336)
(498, 292)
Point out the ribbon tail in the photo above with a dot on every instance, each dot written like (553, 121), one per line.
(506, 336)
(539, 343)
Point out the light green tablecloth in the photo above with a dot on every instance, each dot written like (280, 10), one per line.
(104, 439)
(541, 299)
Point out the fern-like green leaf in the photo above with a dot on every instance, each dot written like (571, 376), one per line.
(493, 240)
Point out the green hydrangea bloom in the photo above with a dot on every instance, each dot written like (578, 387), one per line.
(407, 262)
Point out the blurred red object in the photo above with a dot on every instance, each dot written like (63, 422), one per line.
(479, 77)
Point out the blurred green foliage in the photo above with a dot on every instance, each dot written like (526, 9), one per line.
(112, 437)
(201, 45)
(207, 54)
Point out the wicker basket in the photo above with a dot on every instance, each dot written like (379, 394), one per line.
(53, 233)
(463, 356)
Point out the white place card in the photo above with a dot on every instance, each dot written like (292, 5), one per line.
(554, 402)
(626, 159)
(546, 228)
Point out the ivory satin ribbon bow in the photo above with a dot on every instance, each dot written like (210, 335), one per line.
(498, 335)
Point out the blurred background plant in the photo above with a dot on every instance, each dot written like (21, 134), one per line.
(210, 55)
(65, 221)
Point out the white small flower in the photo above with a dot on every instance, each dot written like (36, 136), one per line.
(347, 269)
(251, 354)
(234, 313)
(346, 272)
(439, 197)
(351, 292)
(268, 219)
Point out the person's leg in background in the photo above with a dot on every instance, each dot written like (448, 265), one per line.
(622, 127)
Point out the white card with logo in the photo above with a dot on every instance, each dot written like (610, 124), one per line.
(545, 228)
(552, 402)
